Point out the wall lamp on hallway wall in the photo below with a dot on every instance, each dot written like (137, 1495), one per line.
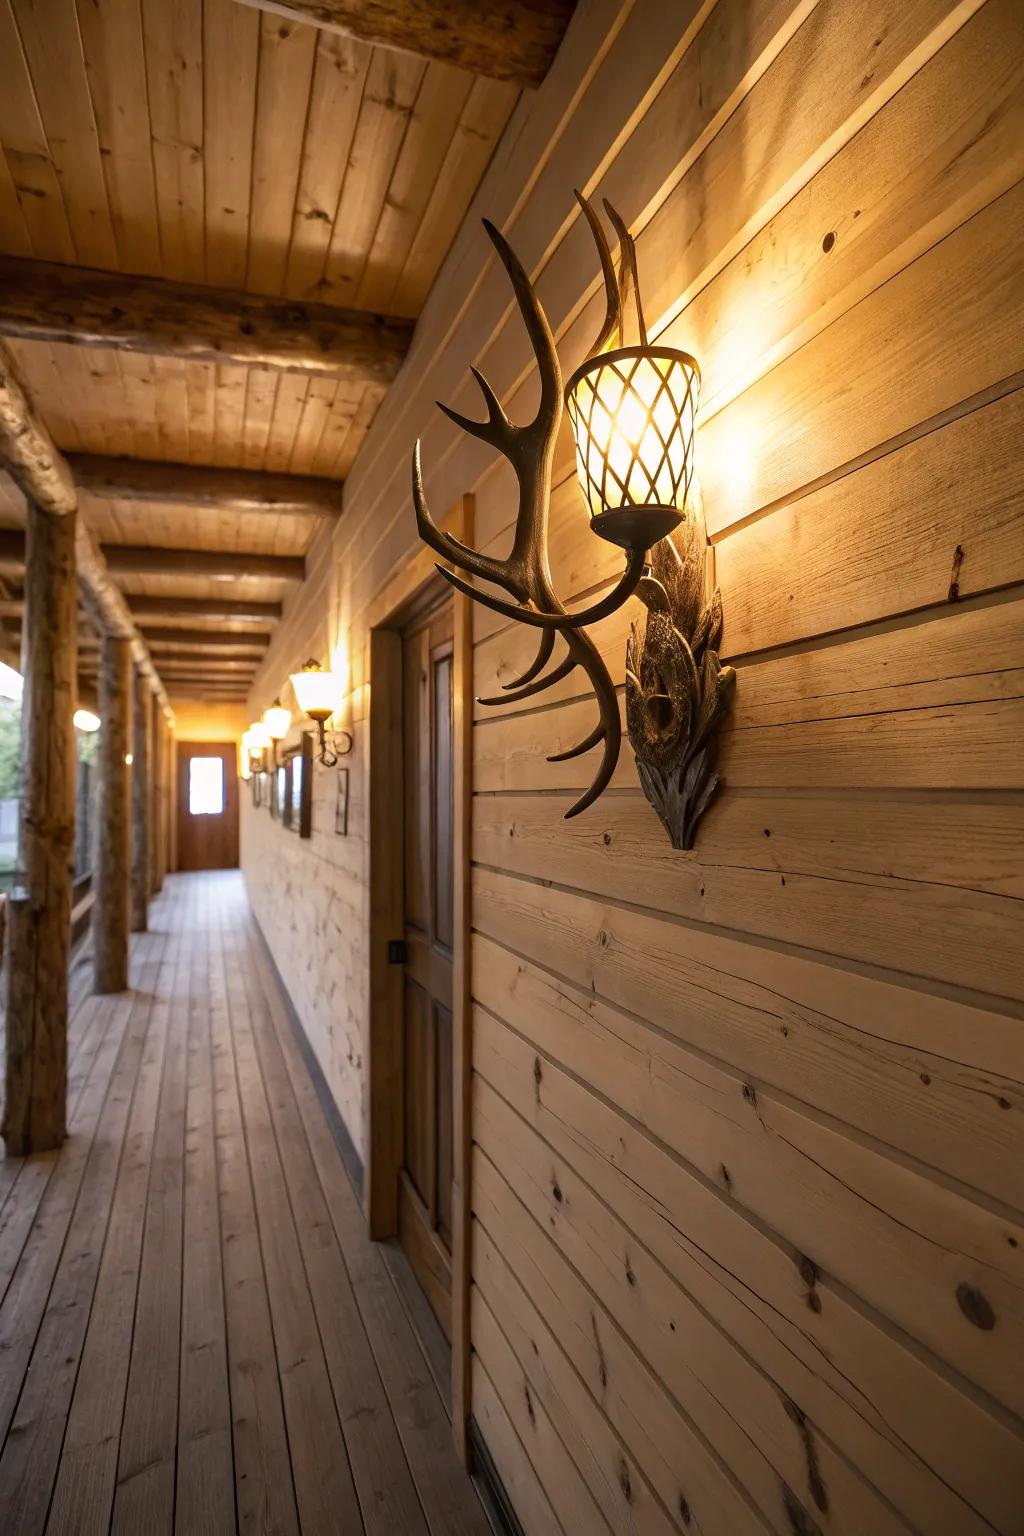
(258, 744)
(632, 409)
(320, 694)
(277, 721)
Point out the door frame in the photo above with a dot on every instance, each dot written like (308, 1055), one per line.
(384, 1056)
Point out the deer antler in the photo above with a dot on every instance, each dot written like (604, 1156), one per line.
(525, 574)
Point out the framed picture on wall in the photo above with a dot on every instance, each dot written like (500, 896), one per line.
(256, 785)
(280, 796)
(341, 805)
(297, 801)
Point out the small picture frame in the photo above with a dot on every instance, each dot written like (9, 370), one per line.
(280, 807)
(341, 805)
(256, 783)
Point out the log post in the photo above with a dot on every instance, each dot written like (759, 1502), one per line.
(37, 992)
(140, 801)
(156, 879)
(110, 911)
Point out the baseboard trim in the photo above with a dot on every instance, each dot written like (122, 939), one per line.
(353, 1163)
(489, 1484)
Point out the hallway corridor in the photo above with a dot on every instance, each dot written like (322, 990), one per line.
(196, 1334)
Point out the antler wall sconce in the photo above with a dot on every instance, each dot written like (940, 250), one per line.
(632, 410)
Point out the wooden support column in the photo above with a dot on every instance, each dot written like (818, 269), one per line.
(141, 731)
(40, 911)
(110, 911)
(155, 877)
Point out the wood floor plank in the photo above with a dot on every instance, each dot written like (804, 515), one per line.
(32, 1448)
(324, 1488)
(206, 1475)
(147, 1460)
(449, 1500)
(387, 1494)
(263, 1476)
(84, 1492)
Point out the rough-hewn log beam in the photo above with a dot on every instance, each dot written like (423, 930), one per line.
(110, 911)
(40, 909)
(192, 485)
(503, 39)
(141, 732)
(144, 560)
(39, 469)
(204, 608)
(168, 640)
(174, 661)
(150, 560)
(44, 301)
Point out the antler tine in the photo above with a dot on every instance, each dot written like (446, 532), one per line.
(610, 727)
(628, 278)
(613, 310)
(537, 328)
(539, 662)
(496, 430)
(450, 548)
(537, 685)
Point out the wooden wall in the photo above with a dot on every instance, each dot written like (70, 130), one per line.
(748, 1155)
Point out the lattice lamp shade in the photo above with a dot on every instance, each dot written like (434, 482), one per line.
(632, 413)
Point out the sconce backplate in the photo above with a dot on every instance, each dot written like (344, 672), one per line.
(677, 691)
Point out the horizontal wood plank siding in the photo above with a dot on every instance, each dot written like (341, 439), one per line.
(747, 1238)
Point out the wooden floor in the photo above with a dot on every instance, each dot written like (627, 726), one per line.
(195, 1333)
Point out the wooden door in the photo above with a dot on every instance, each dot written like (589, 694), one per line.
(425, 1173)
(207, 805)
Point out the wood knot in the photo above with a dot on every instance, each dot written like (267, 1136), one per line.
(726, 1178)
(606, 838)
(684, 1511)
(953, 595)
(538, 1071)
(624, 1482)
(529, 1404)
(808, 1269)
(829, 241)
(630, 1277)
(556, 1191)
(750, 1094)
(975, 1307)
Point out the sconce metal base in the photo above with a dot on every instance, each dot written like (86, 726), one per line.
(677, 691)
(636, 527)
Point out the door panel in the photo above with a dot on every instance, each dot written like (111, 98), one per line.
(207, 805)
(425, 1177)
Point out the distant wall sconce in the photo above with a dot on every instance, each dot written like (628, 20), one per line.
(632, 410)
(277, 721)
(320, 694)
(260, 743)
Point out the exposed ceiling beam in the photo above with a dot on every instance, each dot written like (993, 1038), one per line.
(44, 301)
(503, 39)
(194, 485)
(148, 560)
(204, 608)
(144, 560)
(191, 661)
(202, 639)
(38, 468)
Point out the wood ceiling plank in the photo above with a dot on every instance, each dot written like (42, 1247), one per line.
(505, 39)
(316, 412)
(45, 301)
(200, 391)
(392, 85)
(288, 405)
(228, 412)
(27, 152)
(174, 78)
(14, 236)
(339, 77)
(260, 398)
(115, 67)
(487, 110)
(150, 560)
(286, 53)
(160, 638)
(337, 427)
(440, 101)
(53, 48)
(230, 55)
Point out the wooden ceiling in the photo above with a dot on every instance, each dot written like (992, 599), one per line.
(211, 145)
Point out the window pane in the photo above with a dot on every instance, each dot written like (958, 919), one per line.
(206, 786)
